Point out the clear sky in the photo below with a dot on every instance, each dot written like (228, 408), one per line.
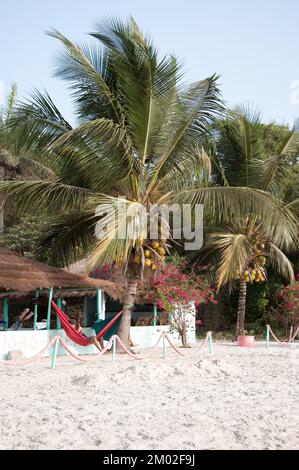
(252, 44)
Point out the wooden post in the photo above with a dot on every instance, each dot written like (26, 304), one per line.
(5, 312)
(267, 336)
(49, 308)
(85, 308)
(155, 314)
(114, 349)
(35, 309)
(210, 343)
(99, 304)
(54, 354)
(164, 346)
(59, 304)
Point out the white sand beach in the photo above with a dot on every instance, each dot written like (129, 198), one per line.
(236, 398)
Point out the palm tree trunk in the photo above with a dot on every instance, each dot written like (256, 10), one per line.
(183, 335)
(241, 308)
(125, 324)
(2, 174)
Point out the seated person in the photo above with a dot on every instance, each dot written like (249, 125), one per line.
(99, 343)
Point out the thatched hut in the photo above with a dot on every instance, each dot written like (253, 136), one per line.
(21, 278)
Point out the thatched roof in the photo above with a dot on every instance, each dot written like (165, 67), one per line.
(20, 275)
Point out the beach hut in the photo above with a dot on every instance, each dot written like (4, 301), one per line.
(25, 281)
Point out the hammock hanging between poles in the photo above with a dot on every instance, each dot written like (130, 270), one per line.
(104, 328)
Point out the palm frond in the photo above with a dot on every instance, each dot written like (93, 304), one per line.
(239, 147)
(31, 167)
(10, 103)
(25, 196)
(273, 171)
(234, 250)
(91, 73)
(38, 121)
(223, 204)
(67, 238)
(291, 147)
(281, 263)
(198, 106)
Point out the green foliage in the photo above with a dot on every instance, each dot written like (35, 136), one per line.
(291, 184)
(274, 138)
(22, 235)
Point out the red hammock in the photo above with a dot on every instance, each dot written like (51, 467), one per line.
(77, 336)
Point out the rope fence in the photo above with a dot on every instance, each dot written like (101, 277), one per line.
(291, 339)
(114, 340)
(33, 358)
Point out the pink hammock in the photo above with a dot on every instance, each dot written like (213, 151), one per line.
(77, 336)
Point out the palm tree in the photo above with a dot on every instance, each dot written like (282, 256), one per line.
(15, 160)
(6, 160)
(239, 157)
(140, 136)
(244, 252)
(241, 249)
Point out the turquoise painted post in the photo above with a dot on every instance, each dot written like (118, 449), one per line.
(5, 312)
(59, 304)
(164, 347)
(210, 342)
(267, 336)
(35, 309)
(114, 349)
(155, 314)
(49, 308)
(54, 354)
(85, 309)
(99, 304)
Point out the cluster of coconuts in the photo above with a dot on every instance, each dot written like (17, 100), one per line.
(152, 256)
(256, 272)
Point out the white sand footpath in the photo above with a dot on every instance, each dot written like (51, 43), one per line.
(237, 398)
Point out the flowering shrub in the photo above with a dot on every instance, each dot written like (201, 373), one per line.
(287, 308)
(177, 293)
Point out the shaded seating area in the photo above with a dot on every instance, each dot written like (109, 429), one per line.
(37, 283)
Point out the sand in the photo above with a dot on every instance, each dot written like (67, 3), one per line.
(237, 398)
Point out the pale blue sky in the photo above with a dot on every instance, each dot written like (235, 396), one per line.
(252, 44)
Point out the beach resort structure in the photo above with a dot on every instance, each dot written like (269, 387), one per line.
(27, 319)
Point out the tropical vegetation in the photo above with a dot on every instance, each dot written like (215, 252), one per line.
(142, 137)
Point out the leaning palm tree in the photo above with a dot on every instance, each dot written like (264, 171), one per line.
(139, 141)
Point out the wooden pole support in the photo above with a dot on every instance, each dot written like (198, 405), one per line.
(54, 354)
(164, 346)
(35, 309)
(210, 342)
(99, 304)
(267, 336)
(155, 314)
(114, 349)
(49, 308)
